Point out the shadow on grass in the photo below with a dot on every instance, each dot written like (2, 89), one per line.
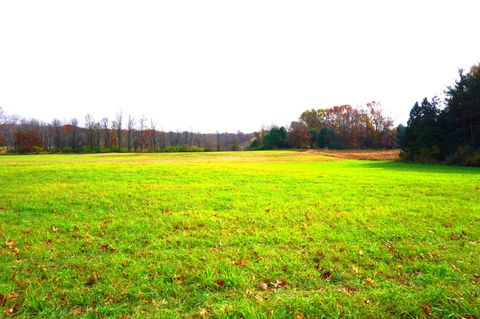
(425, 168)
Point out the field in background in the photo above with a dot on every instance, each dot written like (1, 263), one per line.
(277, 234)
(387, 155)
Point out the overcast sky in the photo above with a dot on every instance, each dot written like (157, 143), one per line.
(228, 65)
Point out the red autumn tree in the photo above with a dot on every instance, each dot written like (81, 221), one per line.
(28, 141)
(298, 135)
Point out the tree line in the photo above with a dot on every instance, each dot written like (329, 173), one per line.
(338, 127)
(448, 130)
(122, 134)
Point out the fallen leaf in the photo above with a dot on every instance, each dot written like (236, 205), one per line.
(426, 310)
(370, 281)
(10, 311)
(10, 244)
(389, 246)
(216, 248)
(476, 278)
(148, 300)
(77, 311)
(298, 316)
(105, 248)
(12, 295)
(355, 269)
(25, 284)
(461, 235)
(54, 229)
(279, 284)
(204, 313)
(258, 297)
(220, 282)
(242, 262)
(326, 275)
(417, 273)
(181, 280)
(263, 286)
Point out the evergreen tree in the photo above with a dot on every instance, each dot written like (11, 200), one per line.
(462, 114)
(275, 138)
(327, 138)
(400, 135)
(422, 135)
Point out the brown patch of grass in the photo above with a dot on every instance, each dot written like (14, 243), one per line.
(378, 155)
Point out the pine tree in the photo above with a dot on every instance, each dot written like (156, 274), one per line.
(422, 135)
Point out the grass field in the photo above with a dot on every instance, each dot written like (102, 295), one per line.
(246, 235)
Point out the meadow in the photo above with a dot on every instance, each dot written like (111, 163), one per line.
(268, 234)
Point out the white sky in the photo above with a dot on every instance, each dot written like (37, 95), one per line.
(228, 65)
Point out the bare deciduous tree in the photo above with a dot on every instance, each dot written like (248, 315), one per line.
(74, 135)
(90, 126)
(118, 121)
(106, 132)
(3, 117)
(130, 128)
(142, 127)
(58, 134)
(153, 138)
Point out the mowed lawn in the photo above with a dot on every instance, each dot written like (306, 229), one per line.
(237, 235)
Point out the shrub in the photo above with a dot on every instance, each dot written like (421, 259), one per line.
(474, 159)
(67, 149)
(422, 155)
(38, 149)
(465, 155)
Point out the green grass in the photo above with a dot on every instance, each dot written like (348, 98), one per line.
(245, 235)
